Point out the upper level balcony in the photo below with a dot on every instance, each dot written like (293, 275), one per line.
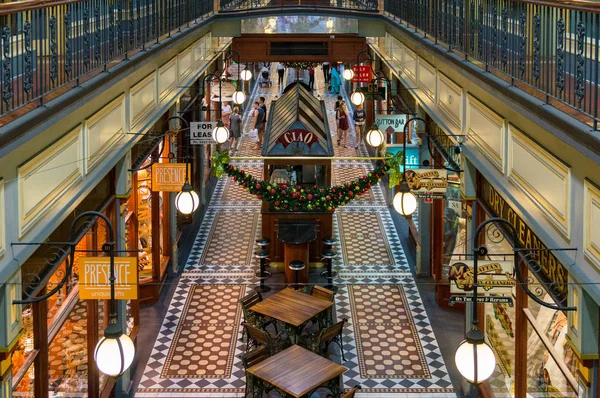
(243, 5)
(548, 49)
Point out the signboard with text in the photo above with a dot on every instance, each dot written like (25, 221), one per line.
(481, 299)
(168, 177)
(201, 133)
(391, 124)
(94, 282)
(492, 276)
(427, 181)
(362, 73)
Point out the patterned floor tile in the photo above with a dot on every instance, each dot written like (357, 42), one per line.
(238, 230)
(363, 239)
(389, 344)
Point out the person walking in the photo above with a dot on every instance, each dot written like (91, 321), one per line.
(226, 113)
(236, 129)
(336, 108)
(335, 81)
(326, 72)
(359, 116)
(311, 78)
(259, 123)
(344, 124)
(280, 72)
(261, 102)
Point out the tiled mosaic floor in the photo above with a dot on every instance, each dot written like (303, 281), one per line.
(389, 344)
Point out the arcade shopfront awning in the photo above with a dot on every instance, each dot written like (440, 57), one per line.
(297, 125)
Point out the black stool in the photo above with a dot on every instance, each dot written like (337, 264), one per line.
(297, 266)
(328, 256)
(328, 242)
(263, 254)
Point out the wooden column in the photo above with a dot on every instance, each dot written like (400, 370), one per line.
(92, 340)
(521, 337)
(40, 343)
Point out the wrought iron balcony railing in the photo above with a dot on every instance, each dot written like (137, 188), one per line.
(242, 5)
(548, 49)
(47, 48)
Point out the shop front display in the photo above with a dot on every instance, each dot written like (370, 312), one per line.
(60, 333)
(551, 364)
(147, 219)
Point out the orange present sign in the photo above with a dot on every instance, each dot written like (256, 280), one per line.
(94, 282)
(168, 177)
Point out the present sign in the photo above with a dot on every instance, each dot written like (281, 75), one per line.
(201, 133)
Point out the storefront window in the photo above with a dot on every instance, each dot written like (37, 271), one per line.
(500, 334)
(144, 219)
(455, 229)
(544, 376)
(25, 386)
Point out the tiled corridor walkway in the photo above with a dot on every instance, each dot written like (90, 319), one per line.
(389, 345)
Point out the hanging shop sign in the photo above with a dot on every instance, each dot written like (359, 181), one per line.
(201, 133)
(427, 182)
(362, 73)
(391, 123)
(96, 278)
(297, 135)
(232, 70)
(549, 270)
(168, 177)
(412, 155)
(492, 276)
(481, 299)
(227, 90)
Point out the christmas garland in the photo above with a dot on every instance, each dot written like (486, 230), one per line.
(299, 65)
(289, 198)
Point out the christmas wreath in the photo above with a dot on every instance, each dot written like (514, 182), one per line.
(290, 198)
(299, 65)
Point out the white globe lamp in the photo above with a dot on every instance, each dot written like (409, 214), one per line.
(405, 202)
(220, 133)
(374, 136)
(239, 97)
(114, 352)
(474, 358)
(187, 200)
(246, 74)
(348, 74)
(357, 98)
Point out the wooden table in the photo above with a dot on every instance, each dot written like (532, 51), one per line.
(296, 372)
(293, 309)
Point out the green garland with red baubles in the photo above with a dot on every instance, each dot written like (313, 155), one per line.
(290, 198)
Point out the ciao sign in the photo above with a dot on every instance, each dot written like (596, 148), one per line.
(492, 276)
(551, 272)
(297, 135)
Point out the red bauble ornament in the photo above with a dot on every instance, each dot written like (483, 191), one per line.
(376, 175)
(272, 192)
(309, 197)
(259, 196)
(299, 187)
(333, 210)
(315, 187)
(276, 203)
(293, 195)
(234, 178)
(257, 186)
(328, 197)
(283, 192)
(284, 186)
(333, 191)
(350, 193)
(370, 185)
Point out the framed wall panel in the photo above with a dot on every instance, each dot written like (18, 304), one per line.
(44, 179)
(167, 78)
(487, 131)
(450, 99)
(426, 79)
(591, 223)
(544, 178)
(143, 98)
(103, 131)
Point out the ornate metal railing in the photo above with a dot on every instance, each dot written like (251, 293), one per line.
(241, 5)
(549, 49)
(46, 47)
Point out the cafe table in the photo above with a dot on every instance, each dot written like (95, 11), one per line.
(297, 372)
(293, 309)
